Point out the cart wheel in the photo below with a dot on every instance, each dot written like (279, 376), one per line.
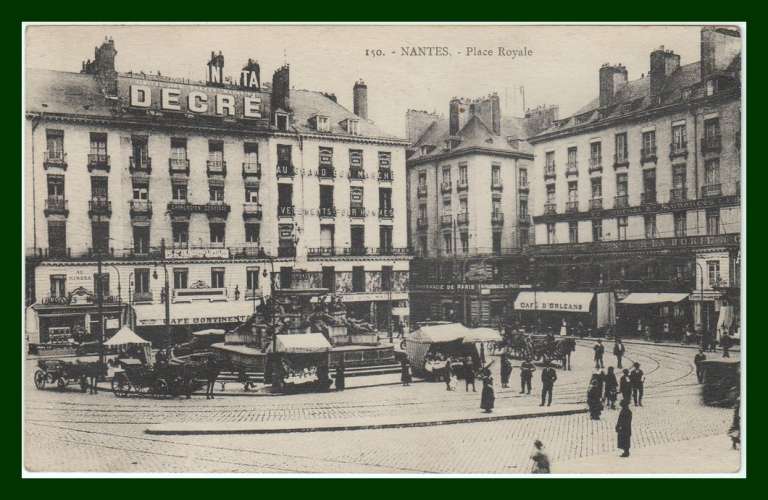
(120, 386)
(40, 379)
(83, 383)
(160, 388)
(61, 383)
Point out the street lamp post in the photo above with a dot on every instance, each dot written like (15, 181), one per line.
(701, 296)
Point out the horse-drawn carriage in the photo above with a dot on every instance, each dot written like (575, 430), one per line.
(62, 373)
(539, 347)
(160, 380)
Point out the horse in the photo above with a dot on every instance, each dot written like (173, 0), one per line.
(562, 351)
(211, 371)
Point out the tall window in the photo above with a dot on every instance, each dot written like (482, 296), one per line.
(385, 199)
(621, 185)
(464, 242)
(573, 232)
(252, 194)
(423, 213)
(678, 177)
(57, 238)
(650, 226)
(99, 188)
(283, 155)
(551, 193)
(180, 277)
(679, 137)
(463, 173)
(140, 190)
(141, 239)
(58, 285)
(572, 156)
(178, 149)
(622, 224)
(284, 197)
(597, 230)
(99, 144)
(447, 243)
(447, 207)
(100, 236)
(141, 280)
(551, 239)
(712, 171)
(713, 221)
(217, 230)
(252, 278)
(649, 182)
(681, 224)
(216, 152)
(251, 151)
(179, 191)
(622, 152)
(357, 234)
(422, 179)
(573, 192)
(385, 238)
(523, 204)
(55, 144)
(649, 141)
(497, 242)
(447, 174)
(386, 278)
(180, 232)
(216, 192)
(358, 278)
(217, 277)
(597, 188)
(251, 232)
(496, 175)
(595, 152)
(327, 236)
(549, 162)
(329, 278)
(326, 199)
(713, 270)
(55, 187)
(463, 206)
(140, 149)
(523, 172)
(711, 129)
(496, 205)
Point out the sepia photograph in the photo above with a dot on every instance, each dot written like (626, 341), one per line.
(383, 250)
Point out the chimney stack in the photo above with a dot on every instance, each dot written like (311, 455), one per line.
(718, 48)
(663, 64)
(360, 99)
(103, 66)
(489, 111)
(457, 115)
(281, 89)
(611, 78)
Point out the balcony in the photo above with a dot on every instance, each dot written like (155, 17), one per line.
(216, 167)
(179, 207)
(497, 218)
(326, 172)
(421, 191)
(251, 169)
(522, 185)
(140, 165)
(571, 206)
(178, 166)
(678, 149)
(55, 159)
(648, 197)
(142, 297)
(462, 185)
(711, 191)
(549, 171)
(446, 220)
(252, 210)
(683, 242)
(648, 155)
(621, 201)
(285, 170)
(711, 144)
(422, 223)
(620, 161)
(678, 194)
(98, 161)
(572, 168)
(357, 173)
(496, 185)
(385, 175)
(596, 204)
(386, 213)
(56, 205)
(98, 206)
(462, 218)
(357, 212)
(286, 211)
(550, 208)
(595, 164)
(327, 212)
(446, 186)
(214, 208)
(141, 207)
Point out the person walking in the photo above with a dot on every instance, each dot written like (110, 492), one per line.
(469, 375)
(506, 370)
(725, 343)
(405, 373)
(593, 400)
(700, 356)
(340, 376)
(447, 374)
(625, 386)
(599, 349)
(548, 378)
(624, 428)
(487, 397)
(637, 377)
(526, 375)
(563, 328)
(618, 351)
(540, 459)
(610, 385)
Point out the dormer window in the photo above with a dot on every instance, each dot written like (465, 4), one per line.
(426, 149)
(281, 121)
(711, 87)
(352, 127)
(323, 124)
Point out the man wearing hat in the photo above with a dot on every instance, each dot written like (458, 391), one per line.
(637, 377)
(624, 428)
(548, 378)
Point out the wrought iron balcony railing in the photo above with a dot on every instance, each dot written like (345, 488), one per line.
(711, 190)
(140, 164)
(621, 201)
(56, 205)
(55, 159)
(216, 167)
(178, 166)
(98, 161)
(251, 169)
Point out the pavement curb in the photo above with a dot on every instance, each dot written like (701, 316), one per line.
(319, 426)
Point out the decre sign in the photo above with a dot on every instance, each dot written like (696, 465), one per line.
(170, 99)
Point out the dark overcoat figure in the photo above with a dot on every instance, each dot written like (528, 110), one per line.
(488, 397)
(548, 378)
(405, 372)
(700, 356)
(469, 375)
(506, 370)
(618, 351)
(340, 382)
(637, 377)
(610, 385)
(593, 400)
(625, 386)
(526, 375)
(624, 428)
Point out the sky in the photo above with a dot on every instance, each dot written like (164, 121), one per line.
(558, 66)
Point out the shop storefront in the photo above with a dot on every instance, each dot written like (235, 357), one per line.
(546, 310)
(654, 316)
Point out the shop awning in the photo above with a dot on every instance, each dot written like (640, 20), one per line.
(440, 333)
(194, 313)
(653, 298)
(482, 335)
(125, 336)
(554, 301)
(302, 343)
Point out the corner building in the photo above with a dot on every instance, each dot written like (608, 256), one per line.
(638, 193)
(231, 186)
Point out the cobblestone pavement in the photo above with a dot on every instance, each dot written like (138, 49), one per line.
(70, 431)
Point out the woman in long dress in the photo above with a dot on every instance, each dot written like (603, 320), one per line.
(488, 397)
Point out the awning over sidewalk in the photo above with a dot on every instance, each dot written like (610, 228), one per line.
(439, 333)
(554, 301)
(194, 313)
(302, 343)
(653, 298)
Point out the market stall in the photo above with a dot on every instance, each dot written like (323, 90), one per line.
(126, 342)
(299, 359)
(429, 347)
